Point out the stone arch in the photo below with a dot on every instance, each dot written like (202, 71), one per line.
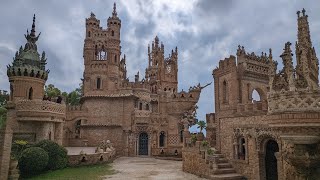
(256, 93)
(162, 138)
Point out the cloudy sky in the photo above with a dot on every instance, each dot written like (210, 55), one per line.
(205, 31)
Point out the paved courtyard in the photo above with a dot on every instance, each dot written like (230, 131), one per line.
(146, 168)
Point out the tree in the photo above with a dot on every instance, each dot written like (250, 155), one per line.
(51, 91)
(4, 97)
(201, 125)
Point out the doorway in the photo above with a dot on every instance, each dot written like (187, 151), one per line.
(271, 160)
(143, 144)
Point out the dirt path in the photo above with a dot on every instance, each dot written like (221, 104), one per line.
(134, 168)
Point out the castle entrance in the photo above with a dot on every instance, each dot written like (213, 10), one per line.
(271, 160)
(143, 144)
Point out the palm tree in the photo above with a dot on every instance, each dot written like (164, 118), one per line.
(202, 125)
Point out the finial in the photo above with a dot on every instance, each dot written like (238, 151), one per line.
(176, 49)
(298, 13)
(303, 12)
(114, 13)
(33, 30)
(92, 15)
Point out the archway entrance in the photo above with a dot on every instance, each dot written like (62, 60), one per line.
(271, 160)
(143, 144)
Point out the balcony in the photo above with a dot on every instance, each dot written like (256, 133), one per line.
(39, 110)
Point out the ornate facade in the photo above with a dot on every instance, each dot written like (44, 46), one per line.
(278, 136)
(143, 117)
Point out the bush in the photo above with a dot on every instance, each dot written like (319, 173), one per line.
(18, 146)
(33, 161)
(57, 154)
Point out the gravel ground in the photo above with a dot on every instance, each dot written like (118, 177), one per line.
(146, 168)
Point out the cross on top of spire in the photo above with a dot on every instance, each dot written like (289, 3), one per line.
(114, 13)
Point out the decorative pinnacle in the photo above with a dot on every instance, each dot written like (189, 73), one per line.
(114, 13)
(303, 12)
(298, 13)
(33, 30)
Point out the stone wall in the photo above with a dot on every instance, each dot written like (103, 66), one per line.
(89, 159)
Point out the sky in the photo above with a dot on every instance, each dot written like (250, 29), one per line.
(205, 31)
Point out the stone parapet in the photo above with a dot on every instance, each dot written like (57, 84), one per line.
(28, 109)
(294, 101)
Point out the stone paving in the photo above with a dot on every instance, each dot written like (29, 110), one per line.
(147, 168)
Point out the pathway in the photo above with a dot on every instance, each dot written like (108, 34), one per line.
(145, 168)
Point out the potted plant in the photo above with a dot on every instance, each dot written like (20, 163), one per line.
(193, 138)
(201, 126)
(204, 145)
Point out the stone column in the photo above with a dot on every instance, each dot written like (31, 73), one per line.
(5, 143)
(58, 133)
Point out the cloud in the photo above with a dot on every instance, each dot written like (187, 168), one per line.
(205, 32)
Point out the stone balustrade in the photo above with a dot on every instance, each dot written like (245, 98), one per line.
(142, 113)
(294, 101)
(40, 108)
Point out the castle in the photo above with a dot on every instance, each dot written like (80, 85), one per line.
(144, 117)
(276, 137)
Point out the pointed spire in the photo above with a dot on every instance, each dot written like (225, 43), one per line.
(303, 12)
(114, 13)
(33, 30)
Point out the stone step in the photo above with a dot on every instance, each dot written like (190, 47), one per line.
(233, 176)
(222, 160)
(224, 165)
(225, 171)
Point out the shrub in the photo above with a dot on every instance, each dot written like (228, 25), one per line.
(205, 143)
(57, 154)
(32, 161)
(193, 138)
(18, 146)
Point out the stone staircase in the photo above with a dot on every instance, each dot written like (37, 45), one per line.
(223, 170)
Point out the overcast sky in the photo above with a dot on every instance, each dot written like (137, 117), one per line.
(205, 31)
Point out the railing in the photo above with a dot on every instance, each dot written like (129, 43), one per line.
(37, 107)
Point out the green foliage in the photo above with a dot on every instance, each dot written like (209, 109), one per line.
(57, 154)
(51, 91)
(202, 125)
(205, 143)
(18, 146)
(73, 98)
(3, 99)
(193, 138)
(211, 151)
(3, 117)
(33, 161)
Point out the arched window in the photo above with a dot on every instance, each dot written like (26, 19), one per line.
(77, 128)
(140, 106)
(30, 94)
(89, 34)
(115, 58)
(147, 107)
(255, 96)
(241, 148)
(161, 139)
(112, 33)
(11, 92)
(181, 135)
(98, 83)
(224, 91)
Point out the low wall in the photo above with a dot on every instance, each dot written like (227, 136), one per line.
(90, 159)
(194, 161)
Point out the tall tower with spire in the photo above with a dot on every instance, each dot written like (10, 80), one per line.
(104, 70)
(27, 74)
(162, 72)
(307, 69)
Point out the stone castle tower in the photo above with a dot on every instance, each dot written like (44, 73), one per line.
(278, 135)
(103, 68)
(144, 117)
(27, 74)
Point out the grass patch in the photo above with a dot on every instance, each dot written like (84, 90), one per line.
(91, 172)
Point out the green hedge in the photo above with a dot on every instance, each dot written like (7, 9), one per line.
(57, 154)
(33, 161)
